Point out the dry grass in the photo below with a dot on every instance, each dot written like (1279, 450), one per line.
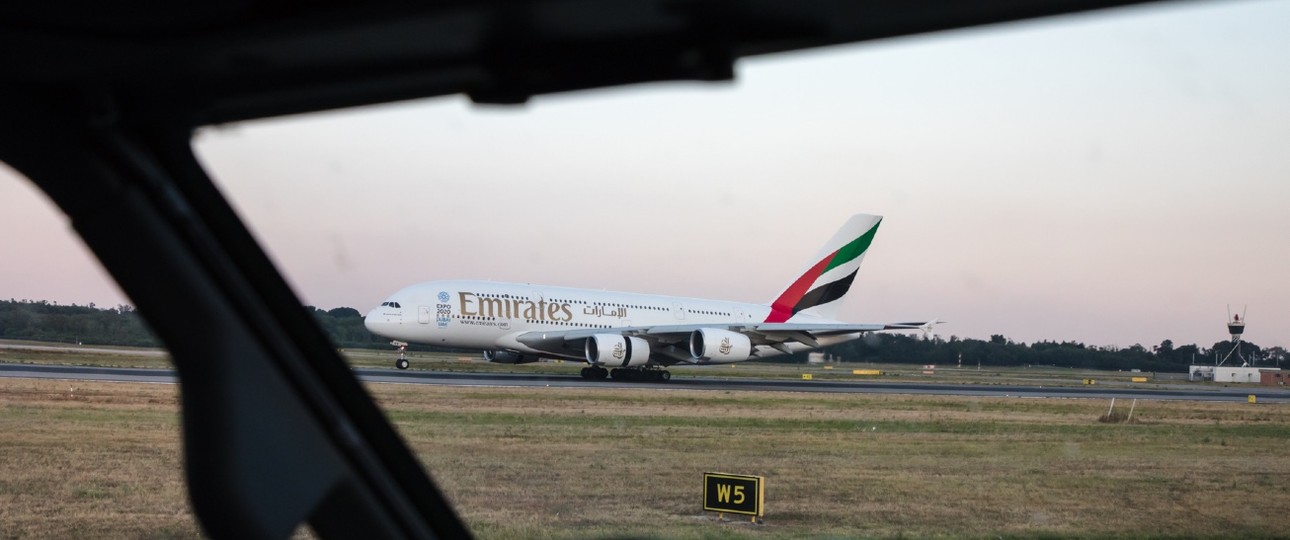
(571, 461)
(103, 461)
(93, 460)
(81, 358)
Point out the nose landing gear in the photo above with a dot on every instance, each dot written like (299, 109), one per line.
(402, 361)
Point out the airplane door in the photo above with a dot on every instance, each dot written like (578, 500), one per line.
(678, 311)
(423, 314)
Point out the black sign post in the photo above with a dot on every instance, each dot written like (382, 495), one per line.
(736, 494)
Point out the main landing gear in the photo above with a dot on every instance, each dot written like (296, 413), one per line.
(627, 374)
(595, 373)
(645, 375)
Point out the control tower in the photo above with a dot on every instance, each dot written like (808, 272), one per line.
(1235, 328)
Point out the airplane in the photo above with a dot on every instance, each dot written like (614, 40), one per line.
(631, 336)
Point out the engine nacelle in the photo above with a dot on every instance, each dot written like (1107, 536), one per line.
(614, 350)
(508, 357)
(719, 346)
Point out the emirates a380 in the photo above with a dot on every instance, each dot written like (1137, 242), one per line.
(634, 336)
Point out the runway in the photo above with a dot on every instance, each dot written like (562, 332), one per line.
(1199, 393)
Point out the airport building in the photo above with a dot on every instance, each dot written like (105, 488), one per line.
(1274, 377)
(1234, 374)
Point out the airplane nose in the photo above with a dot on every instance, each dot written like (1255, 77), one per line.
(386, 320)
(380, 320)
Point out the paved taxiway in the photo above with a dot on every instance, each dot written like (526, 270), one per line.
(1199, 393)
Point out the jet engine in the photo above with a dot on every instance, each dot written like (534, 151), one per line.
(508, 357)
(719, 346)
(614, 350)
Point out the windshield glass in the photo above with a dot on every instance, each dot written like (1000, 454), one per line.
(1086, 169)
(1110, 182)
(1093, 204)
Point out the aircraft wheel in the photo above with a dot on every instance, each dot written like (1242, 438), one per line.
(402, 363)
(664, 376)
(586, 373)
(601, 373)
(616, 374)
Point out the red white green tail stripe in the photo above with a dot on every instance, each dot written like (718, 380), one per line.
(821, 287)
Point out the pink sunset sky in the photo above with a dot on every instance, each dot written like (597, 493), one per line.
(1113, 179)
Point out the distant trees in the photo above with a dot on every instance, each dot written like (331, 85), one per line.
(1001, 351)
(345, 328)
(1275, 355)
(43, 321)
(40, 320)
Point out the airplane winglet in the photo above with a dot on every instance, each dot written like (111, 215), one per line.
(929, 329)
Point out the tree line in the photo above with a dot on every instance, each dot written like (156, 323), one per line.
(46, 321)
(40, 320)
(1001, 351)
(122, 325)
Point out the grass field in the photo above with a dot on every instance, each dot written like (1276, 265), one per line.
(103, 460)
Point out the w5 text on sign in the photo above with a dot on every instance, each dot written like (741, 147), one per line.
(734, 493)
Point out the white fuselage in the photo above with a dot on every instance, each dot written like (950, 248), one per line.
(487, 315)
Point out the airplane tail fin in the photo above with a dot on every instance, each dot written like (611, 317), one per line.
(820, 288)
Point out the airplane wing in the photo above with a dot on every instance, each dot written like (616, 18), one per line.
(672, 340)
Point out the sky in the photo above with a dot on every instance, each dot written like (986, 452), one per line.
(1113, 179)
